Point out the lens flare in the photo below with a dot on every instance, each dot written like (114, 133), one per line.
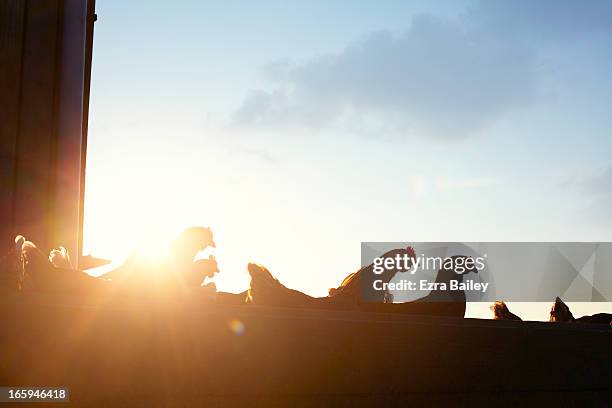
(237, 327)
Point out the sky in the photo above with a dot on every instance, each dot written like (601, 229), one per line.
(297, 130)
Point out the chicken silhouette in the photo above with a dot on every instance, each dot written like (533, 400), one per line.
(267, 290)
(560, 312)
(501, 312)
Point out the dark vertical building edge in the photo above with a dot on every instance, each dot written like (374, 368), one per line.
(39, 140)
(91, 19)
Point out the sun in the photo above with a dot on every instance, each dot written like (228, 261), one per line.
(137, 228)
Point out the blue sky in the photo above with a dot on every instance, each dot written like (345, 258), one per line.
(299, 129)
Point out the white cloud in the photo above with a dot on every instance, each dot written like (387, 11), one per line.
(446, 184)
(436, 78)
(600, 184)
(440, 78)
(597, 190)
(419, 185)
